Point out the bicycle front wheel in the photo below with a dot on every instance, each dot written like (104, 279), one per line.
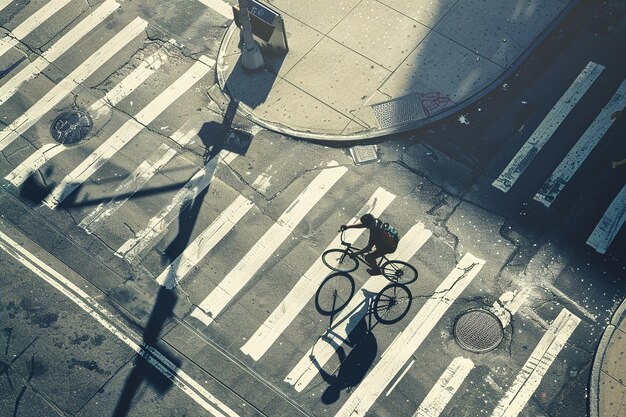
(392, 303)
(334, 294)
(339, 260)
(399, 271)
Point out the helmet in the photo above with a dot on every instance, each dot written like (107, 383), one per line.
(368, 220)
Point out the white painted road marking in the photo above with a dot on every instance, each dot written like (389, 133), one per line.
(61, 90)
(205, 241)
(188, 385)
(158, 224)
(326, 345)
(576, 156)
(547, 127)
(4, 4)
(125, 134)
(243, 272)
(117, 94)
(219, 6)
(445, 388)
(307, 285)
(611, 222)
(405, 345)
(61, 46)
(537, 365)
(33, 22)
(142, 174)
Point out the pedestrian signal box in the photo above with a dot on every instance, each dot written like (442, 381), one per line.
(268, 27)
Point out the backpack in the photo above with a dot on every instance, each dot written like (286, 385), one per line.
(391, 232)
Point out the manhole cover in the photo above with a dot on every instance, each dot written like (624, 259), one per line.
(363, 154)
(478, 331)
(71, 127)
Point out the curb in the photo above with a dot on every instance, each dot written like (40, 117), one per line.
(373, 136)
(598, 359)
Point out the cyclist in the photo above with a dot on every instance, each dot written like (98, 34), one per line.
(383, 237)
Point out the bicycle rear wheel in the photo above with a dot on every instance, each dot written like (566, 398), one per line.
(339, 260)
(334, 293)
(399, 271)
(392, 303)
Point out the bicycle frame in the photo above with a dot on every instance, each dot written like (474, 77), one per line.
(351, 250)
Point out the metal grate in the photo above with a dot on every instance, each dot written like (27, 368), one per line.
(363, 154)
(71, 127)
(399, 111)
(478, 331)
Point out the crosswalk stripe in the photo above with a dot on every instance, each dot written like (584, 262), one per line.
(146, 68)
(444, 389)
(140, 176)
(62, 89)
(62, 45)
(307, 285)
(124, 134)
(4, 4)
(162, 363)
(587, 142)
(159, 223)
(547, 127)
(34, 21)
(146, 170)
(205, 241)
(528, 379)
(404, 346)
(611, 222)
(508, 304)
(325, 346)
(219, 6)
(243, 272)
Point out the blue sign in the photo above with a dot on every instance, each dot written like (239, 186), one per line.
(262, 12)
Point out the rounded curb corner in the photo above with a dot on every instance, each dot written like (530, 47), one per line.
(373, 136)
(598, 359)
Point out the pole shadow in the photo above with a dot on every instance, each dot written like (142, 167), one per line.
(143, 371)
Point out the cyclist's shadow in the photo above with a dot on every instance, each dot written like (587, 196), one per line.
(354, 365)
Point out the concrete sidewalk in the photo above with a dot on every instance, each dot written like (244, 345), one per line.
(607, 393)
(361, 69)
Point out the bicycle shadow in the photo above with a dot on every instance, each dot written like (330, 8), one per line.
(354, 365)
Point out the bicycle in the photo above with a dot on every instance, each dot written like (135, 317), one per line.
(345, 260)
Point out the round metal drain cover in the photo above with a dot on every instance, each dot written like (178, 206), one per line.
(71, 127)
(478, 331)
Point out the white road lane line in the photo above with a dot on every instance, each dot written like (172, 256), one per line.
(401, 350)
(181, 379)
(577, 155)
(611, 222)
(61, 46)
(205, 241)
(30, 24)
(129, 84)
(445, 388)
(528, 379)
(133, 183)
(307, 285)
(125, 134)
(159, 223)
(62, 89)
(219, 6)
(263, 249)
(326, 345)
(547, 127)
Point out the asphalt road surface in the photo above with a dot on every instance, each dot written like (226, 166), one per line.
(168, 262)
